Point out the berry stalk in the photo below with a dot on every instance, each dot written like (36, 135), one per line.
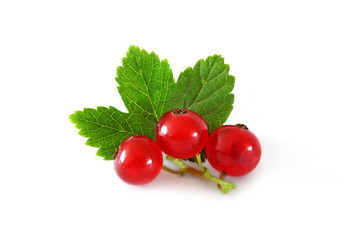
(203, 172)
(224, 186)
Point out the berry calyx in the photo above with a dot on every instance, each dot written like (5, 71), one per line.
(242, 126)
(233, 150)
(138, 160)
(181, 133)
(180, 111)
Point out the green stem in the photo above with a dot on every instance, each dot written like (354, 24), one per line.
(178, 162)
(225, 186)
(203, 173)
(222, 176)
(169, 170)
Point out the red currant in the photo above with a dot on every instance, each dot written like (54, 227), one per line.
(138, 160)
(181, 133)
(233, 150)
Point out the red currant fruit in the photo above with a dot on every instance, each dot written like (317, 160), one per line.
(138, 160)
(233, 150)
(181, 133)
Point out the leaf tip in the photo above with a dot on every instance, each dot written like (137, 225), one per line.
(133, 48)
(74, 117)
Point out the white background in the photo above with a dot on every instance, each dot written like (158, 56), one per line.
(297, 73)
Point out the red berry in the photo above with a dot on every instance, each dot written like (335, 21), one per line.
(233, 150)
(138, 160)
(181, 133)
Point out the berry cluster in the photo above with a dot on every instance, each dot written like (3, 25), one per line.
(231, 149)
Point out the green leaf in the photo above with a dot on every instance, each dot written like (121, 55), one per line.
(145, 85)
(148, 89)
(106, 128)
(206, 89)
